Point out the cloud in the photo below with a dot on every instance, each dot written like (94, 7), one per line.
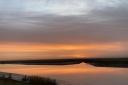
(103, 23)
(53, 29)
(57, 7)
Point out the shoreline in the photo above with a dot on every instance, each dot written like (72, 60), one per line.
(18, 79)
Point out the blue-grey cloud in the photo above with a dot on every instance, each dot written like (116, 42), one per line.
(58, 21)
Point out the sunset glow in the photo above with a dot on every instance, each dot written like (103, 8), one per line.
(22, 50)
(19, 47)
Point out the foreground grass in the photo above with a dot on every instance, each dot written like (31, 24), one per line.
(28, 80)
(4, 81)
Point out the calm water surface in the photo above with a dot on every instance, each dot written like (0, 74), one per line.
(79, 74)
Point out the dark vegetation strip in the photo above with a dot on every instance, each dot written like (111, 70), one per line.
(93, 61)
(8, 79)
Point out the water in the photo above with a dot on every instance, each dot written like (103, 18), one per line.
(79, 74)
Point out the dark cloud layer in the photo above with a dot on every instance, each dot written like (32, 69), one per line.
(102, 23)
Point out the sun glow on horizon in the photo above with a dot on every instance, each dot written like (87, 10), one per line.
(33, 51)
(22, 47)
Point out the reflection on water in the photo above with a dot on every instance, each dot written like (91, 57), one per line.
(81, 74)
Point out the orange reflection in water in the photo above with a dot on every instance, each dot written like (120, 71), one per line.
(54, 70)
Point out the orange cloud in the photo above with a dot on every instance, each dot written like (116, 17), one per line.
(34, 51)
(22, 47)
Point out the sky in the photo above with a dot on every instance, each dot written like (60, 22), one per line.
(31, 29)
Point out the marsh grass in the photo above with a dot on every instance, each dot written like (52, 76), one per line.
(6, 81)
(27, 80)
(36, 80)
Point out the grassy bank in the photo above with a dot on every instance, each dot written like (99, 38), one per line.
(27, 80)
(4, 81)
